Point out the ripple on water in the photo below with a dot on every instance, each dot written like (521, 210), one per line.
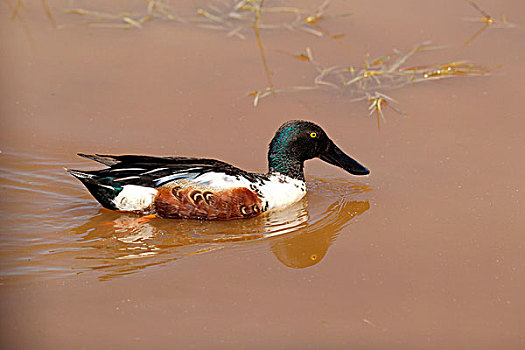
(52, 228)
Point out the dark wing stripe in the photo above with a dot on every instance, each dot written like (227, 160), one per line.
(106, 160)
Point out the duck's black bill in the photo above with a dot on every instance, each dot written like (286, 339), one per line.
(335, 156)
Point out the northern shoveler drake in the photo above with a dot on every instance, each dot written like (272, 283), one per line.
(208, 189)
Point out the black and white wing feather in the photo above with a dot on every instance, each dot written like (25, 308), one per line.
(157, 171)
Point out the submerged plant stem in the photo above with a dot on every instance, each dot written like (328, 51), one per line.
(260, 46)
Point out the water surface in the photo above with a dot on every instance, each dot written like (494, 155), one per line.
(427, 252)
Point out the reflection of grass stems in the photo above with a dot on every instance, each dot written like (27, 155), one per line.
(259, 43)
(16, 16)
(487, 21)
(19, 5)
(49, 15)
(476, 34)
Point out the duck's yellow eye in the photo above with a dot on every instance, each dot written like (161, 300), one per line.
(313, 135)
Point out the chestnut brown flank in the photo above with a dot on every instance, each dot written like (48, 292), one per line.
(191, 203)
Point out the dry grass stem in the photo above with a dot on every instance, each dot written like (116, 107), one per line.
(371, 80)
(378, 102)
(488, 21)
(153, 10)
(256, 24)
(16, 16)
(241, 14)
(366, 81)
(234, 17)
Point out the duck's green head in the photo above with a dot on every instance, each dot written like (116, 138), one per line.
(299, 140)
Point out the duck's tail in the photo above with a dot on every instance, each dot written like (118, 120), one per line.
(103, 193)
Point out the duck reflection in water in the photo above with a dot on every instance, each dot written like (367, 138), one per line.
(298, 236)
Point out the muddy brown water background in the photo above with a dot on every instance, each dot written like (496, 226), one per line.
(427, 252)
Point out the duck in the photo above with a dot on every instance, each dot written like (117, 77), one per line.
(210, 189)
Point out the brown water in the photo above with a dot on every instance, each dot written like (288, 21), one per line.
(427, 252)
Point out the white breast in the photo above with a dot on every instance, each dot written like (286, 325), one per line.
(278, 191)
(281, 191)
